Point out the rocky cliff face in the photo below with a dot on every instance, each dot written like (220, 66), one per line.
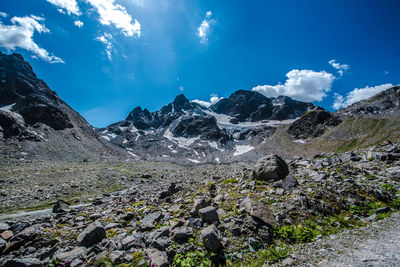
(30, 111)
(384, 103)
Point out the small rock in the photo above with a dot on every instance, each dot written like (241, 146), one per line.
(4, 227)
(383, 210)
(211, 239)
(209, 215)
(157, 258)
(6, 235)
(92, 235)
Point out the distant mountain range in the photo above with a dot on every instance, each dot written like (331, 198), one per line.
(36, 123)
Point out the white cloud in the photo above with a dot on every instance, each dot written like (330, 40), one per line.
(3, 15)
(358, 94)
(385, 72)
(20, 34)
(204, 29)
(342, 68)
(69, 6)
(303, 85)
(111, 13)
(78, 23)
(213, 100)
(106, 39)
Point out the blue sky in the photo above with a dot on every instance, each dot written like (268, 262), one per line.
(127, 53)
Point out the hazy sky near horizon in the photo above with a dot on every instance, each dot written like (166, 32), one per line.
(105, 57)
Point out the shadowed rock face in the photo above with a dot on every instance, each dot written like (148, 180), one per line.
(31, 97)
(313, 124)
(384, 103)
(252, 106)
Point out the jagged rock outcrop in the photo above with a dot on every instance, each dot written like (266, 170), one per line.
(383, 103)
(312, 124)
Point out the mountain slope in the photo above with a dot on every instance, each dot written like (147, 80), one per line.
(36, 124)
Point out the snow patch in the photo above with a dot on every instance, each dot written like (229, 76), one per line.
(241, 149)
(180, 141)
(193, 160)
(172, 150)
(132, 154)
(106, 137)
(217, 160)
(7, 108)
(300, 141)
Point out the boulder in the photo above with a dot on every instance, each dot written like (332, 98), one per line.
(157, 258)
(211, 239)
(149, 220)
(182, 234)
(92, 235)
(209, 215)
(270, 168)
(289, 183)
(60, 207)
(259, 211)
(131, 241)
(76, 253)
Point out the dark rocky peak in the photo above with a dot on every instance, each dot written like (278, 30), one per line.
(384, 103)
(17, 80)
(312, 124)
(196, 125)
(245, 106)
(30, 96)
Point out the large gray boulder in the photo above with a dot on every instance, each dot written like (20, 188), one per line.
(92, 235)
(270, 168)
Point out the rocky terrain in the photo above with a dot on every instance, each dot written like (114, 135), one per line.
(234, 214)
(246, 181)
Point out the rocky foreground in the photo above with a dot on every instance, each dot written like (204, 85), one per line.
(239, 215)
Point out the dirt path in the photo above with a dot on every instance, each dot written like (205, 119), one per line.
(377, 244)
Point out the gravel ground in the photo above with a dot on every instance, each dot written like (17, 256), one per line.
(374, 245)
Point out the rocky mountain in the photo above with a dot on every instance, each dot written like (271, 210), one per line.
(188, 132)
(383, 103)
(36, 123)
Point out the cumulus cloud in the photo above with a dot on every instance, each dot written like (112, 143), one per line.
(66, 6)
(358, 94)
(341, 68)
(78, 23)
(204, 29)
(213, 100)
(20, 35)
(106, 39)
(303, 85)
(3, 15)
(115, 14)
